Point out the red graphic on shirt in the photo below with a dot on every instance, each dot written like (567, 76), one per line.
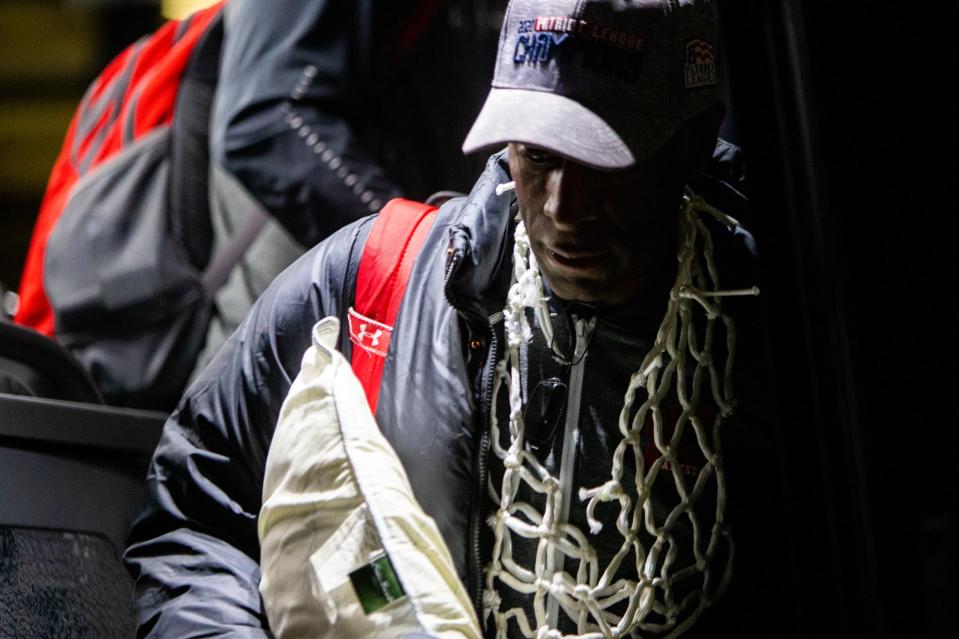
(690, 456)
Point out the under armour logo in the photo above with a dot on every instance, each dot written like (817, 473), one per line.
(374, 337)
(370, 335)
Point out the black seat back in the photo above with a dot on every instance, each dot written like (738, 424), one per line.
(62, 584)
(71, 478)
(33, 364)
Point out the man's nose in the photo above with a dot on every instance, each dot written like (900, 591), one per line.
(569, 199)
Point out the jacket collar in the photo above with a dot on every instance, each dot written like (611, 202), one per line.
(480, 242)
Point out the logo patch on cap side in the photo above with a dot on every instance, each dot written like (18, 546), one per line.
(700, 64)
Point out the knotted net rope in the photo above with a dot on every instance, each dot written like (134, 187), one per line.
(680, 364)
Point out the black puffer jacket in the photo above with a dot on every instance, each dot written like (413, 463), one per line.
(323, 101)
(193, 549)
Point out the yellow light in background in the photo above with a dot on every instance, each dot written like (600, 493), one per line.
(176, 9)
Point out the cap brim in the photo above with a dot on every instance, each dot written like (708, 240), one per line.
(563, 126)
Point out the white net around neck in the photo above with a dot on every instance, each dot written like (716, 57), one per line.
(679, 363)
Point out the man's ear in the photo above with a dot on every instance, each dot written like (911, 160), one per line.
(700, 133)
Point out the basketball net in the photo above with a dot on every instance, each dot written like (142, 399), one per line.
(669, 594)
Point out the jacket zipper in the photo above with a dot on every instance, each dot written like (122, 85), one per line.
(481, 474)
(567, 466)
(484, 442)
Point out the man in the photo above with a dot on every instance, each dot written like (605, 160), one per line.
(555, 389)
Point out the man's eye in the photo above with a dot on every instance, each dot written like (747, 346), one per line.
(539, 156)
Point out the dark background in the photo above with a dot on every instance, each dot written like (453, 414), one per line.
(846, 114)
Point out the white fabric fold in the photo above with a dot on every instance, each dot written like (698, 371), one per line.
(336, 500)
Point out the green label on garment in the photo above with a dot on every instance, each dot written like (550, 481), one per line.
(376, 584)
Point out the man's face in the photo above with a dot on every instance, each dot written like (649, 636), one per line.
(600, 236)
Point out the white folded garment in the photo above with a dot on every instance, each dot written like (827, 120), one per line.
(346, 550)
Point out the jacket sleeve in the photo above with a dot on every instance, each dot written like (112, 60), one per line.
(193, 549)
(289, 105)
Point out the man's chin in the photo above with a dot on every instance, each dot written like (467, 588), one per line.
(581, 289)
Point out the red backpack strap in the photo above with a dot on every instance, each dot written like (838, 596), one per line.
(394, 241)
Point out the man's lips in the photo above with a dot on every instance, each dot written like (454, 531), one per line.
(575, 250)
(576, 258)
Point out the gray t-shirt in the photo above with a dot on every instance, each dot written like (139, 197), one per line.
(618, 343)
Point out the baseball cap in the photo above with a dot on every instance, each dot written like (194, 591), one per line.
(602, 82)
